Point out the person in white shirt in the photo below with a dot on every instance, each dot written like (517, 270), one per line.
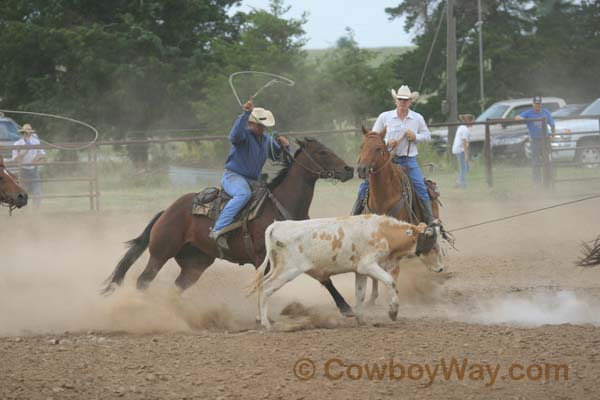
(28, 173)
(405, 129)
(460, 148)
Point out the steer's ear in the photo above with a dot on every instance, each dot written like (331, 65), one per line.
(364, 130)
(421, 228)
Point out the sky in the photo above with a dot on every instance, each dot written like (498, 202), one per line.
(328, 19)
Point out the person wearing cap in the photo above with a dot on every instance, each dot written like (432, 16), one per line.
(247, 156)
(535, 135)
(405, 129)
(460, 148)
(28, 172)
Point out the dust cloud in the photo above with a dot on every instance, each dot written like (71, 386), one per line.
(52, 268)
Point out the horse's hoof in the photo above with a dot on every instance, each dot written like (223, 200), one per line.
(393, 315)
(371, 303)
(347, 312)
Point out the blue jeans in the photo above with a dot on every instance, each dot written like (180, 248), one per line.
(414, 172)
(463, 168)
(238, 187)
(33, 188)
(536, 159)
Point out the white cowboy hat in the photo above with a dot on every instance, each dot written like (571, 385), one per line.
(403, 93)
(27, 129)
(466, 117)
(262, 116)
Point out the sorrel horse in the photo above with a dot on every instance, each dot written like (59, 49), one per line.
(390, 189)
(11, 194)
(176, 233)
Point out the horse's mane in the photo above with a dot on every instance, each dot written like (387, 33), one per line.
(288, 162)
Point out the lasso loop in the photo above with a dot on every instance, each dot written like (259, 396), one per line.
(96, 134)
(277, 79)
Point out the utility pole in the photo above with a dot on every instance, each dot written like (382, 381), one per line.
(480, 27)
(451, 90)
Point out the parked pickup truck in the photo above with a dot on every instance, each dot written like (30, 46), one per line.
(574, 135)
(506, 109)
(9, 134)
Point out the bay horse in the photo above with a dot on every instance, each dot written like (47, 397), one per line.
(390, 189)
(11, 194)
(176, 233)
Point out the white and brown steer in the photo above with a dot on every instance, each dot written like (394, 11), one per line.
(369, 245)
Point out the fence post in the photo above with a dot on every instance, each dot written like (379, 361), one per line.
(487, 153)
(90, 177)
(95, 176)
(546, 162)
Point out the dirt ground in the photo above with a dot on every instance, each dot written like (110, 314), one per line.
(512, 311)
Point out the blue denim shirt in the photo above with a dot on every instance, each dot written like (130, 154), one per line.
(248, 152)
(535, 127)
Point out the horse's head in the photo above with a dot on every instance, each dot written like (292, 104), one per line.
(11, 193)
(429, 245)
(317, 158)
(373, 153)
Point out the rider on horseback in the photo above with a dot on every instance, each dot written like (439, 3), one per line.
(247, 156)
(404, 127)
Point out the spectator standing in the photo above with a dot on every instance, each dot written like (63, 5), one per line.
(460, 148)
(535, 135)
(29, 173)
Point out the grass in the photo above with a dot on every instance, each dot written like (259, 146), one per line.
(147, 193)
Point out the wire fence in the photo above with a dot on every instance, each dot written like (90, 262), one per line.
(127, 170)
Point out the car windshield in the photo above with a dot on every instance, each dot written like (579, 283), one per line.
(569, 110)
(9, 131)
(592, 110)
(494, 112)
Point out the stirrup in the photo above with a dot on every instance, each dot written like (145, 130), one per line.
(220, 239)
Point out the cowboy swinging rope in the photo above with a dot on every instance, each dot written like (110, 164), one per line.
(85, 146)
(275, 79)
(288, 82)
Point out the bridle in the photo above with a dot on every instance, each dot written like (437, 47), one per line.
(4, 202)
(389, 160)
(322, 173)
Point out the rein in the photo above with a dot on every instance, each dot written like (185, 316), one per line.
(322, 173)
(371, 172)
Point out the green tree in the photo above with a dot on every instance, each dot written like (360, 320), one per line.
(123, 65)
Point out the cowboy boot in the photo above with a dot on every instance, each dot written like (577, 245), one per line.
(427, 212)
(218, 237)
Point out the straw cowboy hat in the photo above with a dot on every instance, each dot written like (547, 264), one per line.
(262, 116)
(27, 129)
(466, 117)
(404, 93)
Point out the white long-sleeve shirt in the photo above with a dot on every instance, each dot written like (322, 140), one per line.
(30, 154)
(396, 130)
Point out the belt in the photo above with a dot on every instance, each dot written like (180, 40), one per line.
(402, 157)
(242, 175)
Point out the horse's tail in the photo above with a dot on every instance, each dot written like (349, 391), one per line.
(136, 247)
(261, 273)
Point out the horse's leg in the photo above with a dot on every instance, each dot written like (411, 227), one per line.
(154, 265)
(193, 263)
(340, 302)
(161, 247)
(374, 292)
